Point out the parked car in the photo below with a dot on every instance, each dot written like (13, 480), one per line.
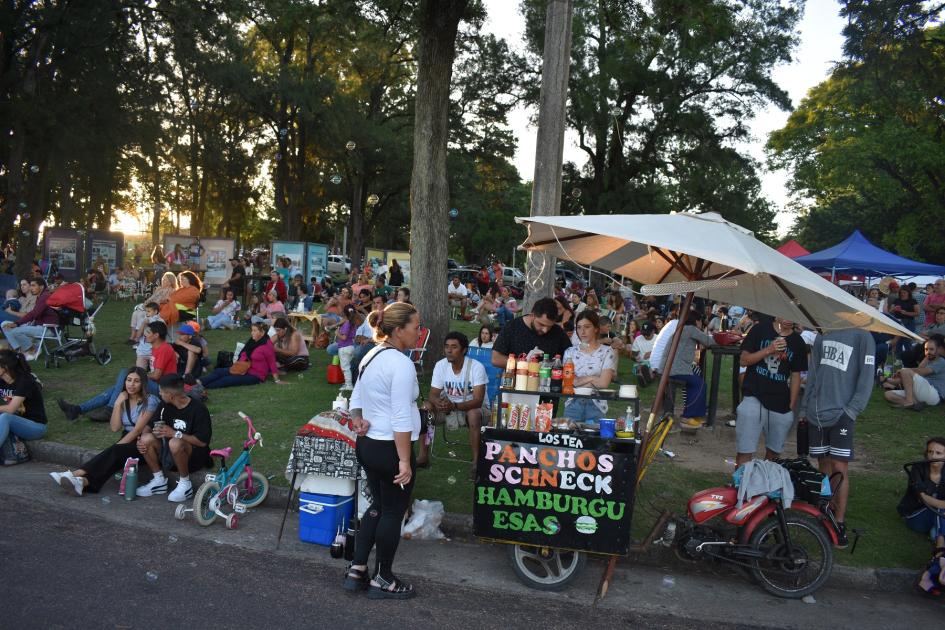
(513, 276)
(452, 264)
(338, 265)
(466, 274)
(567, 276)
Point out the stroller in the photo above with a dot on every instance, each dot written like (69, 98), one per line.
(69, 302)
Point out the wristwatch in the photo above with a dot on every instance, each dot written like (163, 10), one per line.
(178, 434)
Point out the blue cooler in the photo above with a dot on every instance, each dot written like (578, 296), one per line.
(321, 516)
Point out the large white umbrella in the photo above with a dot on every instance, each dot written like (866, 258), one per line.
(708, 256)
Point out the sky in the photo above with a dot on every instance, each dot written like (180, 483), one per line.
(820, 46)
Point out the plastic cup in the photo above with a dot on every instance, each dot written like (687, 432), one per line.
(608, 427)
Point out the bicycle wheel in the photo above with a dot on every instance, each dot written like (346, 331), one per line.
(796, 569)
(204, 514)
(259, 492)
(546, 569)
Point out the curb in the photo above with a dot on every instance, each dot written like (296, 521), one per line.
(461, 526)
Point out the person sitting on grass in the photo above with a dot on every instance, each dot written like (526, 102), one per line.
(272, 308)
(276, 284)
(185, 298)
(363, 303)
(921, 386)
(132, 412)
(486, 309)
(344, 339)
(142, 347)
(225, 311)
(163, 361)
(141, 316)
(180, 431)
(260, 354)
(923, 506)
(458, 386)
(484, 339)
(291, 350)
(403, 295)
(506, 307)
(22, 411)
(191, 349)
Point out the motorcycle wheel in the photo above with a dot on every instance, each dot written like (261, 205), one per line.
(546, 569)
(796, 571)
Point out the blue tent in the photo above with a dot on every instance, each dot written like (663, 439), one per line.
(856, 255)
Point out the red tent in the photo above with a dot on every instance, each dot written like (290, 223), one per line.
(792, 249)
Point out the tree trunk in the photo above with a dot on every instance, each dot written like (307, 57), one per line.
(157, 186)
(546, 191)
(356, 221)
(429, 188)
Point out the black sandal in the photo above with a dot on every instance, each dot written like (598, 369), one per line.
(397, 589)
(356, 579)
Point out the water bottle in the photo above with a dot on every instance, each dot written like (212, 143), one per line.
(131, 483)
(825, 490)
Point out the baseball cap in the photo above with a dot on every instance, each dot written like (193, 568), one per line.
(195, 325)
(647, 328)
(186, 329)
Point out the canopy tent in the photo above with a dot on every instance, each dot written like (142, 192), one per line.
(793, 249)
(857, 255)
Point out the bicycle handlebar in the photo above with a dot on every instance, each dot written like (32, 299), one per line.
(250, 429)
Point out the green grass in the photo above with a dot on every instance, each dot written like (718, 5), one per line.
(885, 439)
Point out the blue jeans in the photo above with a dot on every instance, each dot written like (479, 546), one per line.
(927, 521)
(695, 395)
(582, 410)
(20, 427)
(23, 337)
(503, 316)
(221, 377)
(220, 320)
(109, 396)
(332, 349)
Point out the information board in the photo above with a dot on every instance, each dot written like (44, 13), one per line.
(554, 490)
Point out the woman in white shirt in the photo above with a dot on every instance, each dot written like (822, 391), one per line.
(224, 311)
(484, 340)
(594, 366)
(386, 418)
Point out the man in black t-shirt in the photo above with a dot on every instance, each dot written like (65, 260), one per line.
(179, 429)
(539, 330)
(774, 356)
(237, 279)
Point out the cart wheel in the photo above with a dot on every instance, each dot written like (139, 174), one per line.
(546, 569)
(232, 520)
(181, 512)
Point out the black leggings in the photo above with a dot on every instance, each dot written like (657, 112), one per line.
(100, 468)
(380, 526)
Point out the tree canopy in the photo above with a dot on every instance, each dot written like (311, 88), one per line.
(866, 147)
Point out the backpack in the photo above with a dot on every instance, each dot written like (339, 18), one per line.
(810, 485)
(14, 451)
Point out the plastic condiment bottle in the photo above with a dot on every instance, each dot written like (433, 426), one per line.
(557, 373)
(567, 378)
(521, 373)
(533, 368)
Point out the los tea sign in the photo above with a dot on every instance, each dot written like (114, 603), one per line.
(554, 490)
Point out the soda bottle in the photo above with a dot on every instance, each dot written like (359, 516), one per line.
(544, 374)
(567, 378)
(557, 374)
(508, 376)
(533, 368)
(521, 373)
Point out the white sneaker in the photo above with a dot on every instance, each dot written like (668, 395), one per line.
(155, 486)
(32, 356)
(69, 482)
(730, 423)
(183, 492)
(56, 476)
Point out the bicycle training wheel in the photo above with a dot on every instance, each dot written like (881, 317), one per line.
(546, 569)
(796, 569)
(259, 492)
(204, 514)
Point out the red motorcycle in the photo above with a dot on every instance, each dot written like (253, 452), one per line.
(789, 551)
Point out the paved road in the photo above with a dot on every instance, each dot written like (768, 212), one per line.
(72, 562)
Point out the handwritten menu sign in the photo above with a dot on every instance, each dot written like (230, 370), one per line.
(554, 490)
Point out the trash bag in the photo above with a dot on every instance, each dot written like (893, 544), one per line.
(424, 522)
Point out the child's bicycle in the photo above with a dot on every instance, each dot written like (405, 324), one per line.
(239, 485)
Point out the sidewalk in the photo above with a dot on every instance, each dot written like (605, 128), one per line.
(685, 592)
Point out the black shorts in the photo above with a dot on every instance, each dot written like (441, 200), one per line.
(835, 442)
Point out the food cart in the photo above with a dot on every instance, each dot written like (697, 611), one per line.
(555, 495)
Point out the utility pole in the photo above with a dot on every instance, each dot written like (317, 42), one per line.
(549, 151)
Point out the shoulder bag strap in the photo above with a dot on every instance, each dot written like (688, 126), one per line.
(369, 360)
